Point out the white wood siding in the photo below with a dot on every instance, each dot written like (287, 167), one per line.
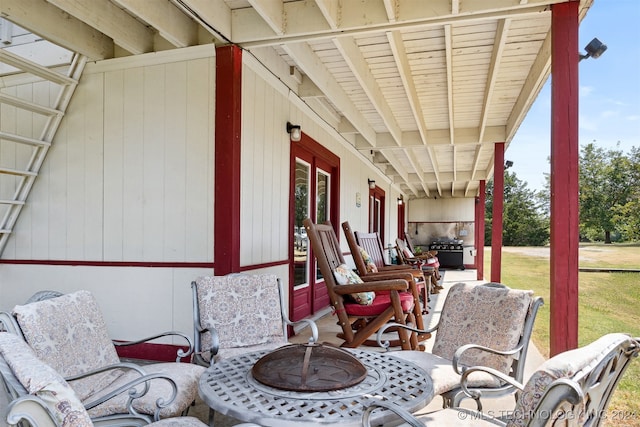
(157, 299)
(129, 176)
(445, 210)
(264, 190)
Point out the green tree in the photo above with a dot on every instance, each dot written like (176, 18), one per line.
(626, 216)
(524, 220)
(605, 191)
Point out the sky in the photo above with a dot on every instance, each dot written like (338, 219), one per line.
(609, 109)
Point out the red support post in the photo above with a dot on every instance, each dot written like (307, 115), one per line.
(227, 160)
(498, 206)
(480, 221)
(564, 178)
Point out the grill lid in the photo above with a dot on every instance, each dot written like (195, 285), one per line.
(309, 367)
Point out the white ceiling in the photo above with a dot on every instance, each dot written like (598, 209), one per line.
(424, 88)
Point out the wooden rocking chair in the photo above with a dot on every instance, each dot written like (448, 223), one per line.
(427, 260)
(391, 300)
(373, 265)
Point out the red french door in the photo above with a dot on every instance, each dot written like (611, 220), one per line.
(315, 184)
(376, 212)
(401, 218)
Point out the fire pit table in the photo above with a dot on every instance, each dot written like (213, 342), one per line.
(229, 387)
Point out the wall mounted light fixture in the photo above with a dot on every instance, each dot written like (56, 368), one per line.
(372, 184)
(594, 49)
(294, 131)
(400, 201)
(508, 164)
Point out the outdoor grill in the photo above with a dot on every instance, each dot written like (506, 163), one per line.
(309, 367)
(450, 252)
(446, 244)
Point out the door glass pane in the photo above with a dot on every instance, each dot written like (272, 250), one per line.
(322, 198)
(300, 258)
(322, 203)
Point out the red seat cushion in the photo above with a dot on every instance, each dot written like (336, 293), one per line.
(433, 262)
(380, 304)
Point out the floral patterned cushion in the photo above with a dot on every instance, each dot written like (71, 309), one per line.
(69, 334)
(368, 262)
(487, 315)
(563, 365)
(41, 380)
(345, 276)
(441, 371)
(243, 308)
(185, 375)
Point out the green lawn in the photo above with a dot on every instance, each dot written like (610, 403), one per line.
(608, 302)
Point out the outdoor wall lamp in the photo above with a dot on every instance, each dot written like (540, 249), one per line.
(372, 184)
(508, 164)
(294, 131)
(594, 49)
(400, 201)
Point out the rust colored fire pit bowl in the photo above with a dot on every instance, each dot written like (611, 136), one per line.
(309, 367)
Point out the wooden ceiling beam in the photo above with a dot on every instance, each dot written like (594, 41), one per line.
(330, 9)
(172, 24)
(492, 76)
(272, 13)
(306, 21)
(313, 67)
(214, 16)
(109, 19)
(357, 63)
(55, 25)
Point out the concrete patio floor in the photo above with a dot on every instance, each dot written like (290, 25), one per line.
(328, 330)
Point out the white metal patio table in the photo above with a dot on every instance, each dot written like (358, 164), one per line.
(229, 388)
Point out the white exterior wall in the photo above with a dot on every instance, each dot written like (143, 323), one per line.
(452, 214)
(264, 183)
(129, 179)
(132, 156)
(268, 104)
(136, 302)
(444, 210)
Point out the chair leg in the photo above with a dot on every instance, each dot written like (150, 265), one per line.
(211, 416)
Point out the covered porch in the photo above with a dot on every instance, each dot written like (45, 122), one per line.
(153, 147)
